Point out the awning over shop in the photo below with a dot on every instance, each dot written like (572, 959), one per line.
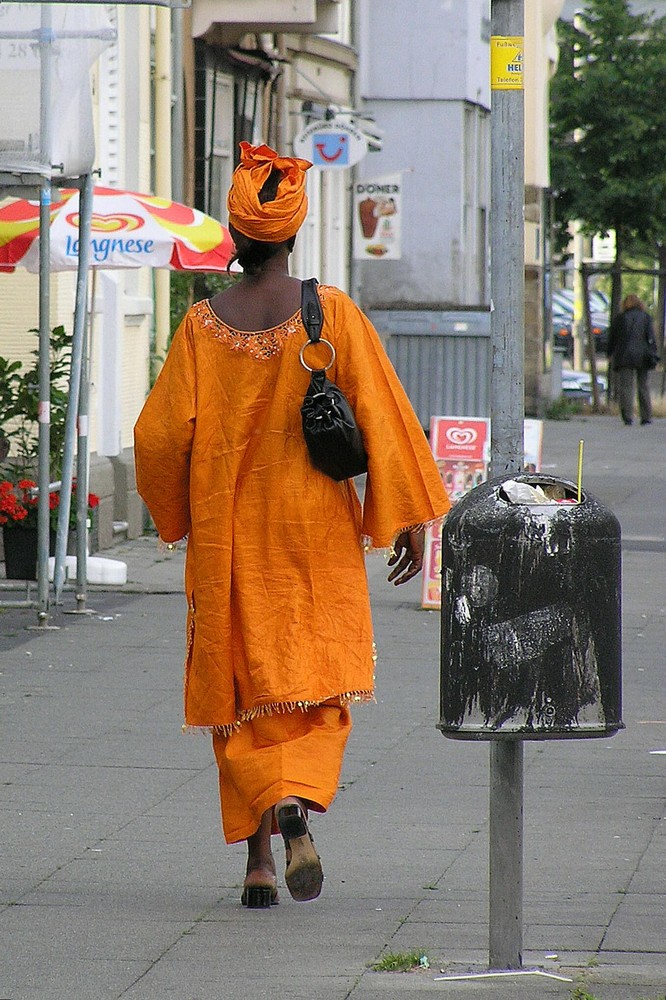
(225, 21)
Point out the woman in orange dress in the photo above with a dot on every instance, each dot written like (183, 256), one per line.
(279, 632)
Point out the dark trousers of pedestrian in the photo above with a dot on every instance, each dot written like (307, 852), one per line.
(626, 391)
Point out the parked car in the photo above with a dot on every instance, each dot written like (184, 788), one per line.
(562, 313)
(562, 332)
(578, 385)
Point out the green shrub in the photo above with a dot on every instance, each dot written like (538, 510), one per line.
(19, 408)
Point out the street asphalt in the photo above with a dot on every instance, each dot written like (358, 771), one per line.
(116, 883)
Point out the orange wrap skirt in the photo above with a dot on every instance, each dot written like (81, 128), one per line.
(289, 753)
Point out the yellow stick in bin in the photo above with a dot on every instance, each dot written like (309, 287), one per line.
(580, 469)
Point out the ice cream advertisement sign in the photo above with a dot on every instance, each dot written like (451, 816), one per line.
(461, 448)
(377, 218)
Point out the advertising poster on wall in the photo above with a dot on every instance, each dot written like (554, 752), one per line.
(378, 218)
(461, 447)
(533, 444)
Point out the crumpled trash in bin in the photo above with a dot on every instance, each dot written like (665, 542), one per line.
(524, 493)
(517, 492)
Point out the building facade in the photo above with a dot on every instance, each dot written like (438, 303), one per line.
(262, 71)
(260, 79)
(122, 301)
(238, 71)
(427, 83)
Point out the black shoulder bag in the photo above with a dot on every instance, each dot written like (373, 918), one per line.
(330, 430)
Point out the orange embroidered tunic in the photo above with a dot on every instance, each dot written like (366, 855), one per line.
(278, 605)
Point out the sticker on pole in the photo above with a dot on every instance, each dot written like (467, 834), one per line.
(506, 62)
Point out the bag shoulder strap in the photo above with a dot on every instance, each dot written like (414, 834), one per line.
(311, 311)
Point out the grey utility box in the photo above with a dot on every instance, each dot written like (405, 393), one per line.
(531, 616)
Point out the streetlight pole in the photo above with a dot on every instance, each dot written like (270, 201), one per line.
(507, 452)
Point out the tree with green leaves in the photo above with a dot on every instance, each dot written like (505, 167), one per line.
(608, 128)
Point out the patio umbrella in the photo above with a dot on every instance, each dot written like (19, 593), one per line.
(127, 230)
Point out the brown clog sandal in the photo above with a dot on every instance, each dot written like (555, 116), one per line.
(303, 874)
(260, 896)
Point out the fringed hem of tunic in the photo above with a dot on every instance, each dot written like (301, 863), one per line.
(368, 546)
(278, 708)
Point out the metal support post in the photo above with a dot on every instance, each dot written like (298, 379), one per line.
(507, 451)
(178, 110)
(162, 278)
(506, 855)
(578, 318)
(44, 411)
(82, 471)
(507, 240)
(80, 333)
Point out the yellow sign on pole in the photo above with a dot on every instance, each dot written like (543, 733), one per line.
(506, 62)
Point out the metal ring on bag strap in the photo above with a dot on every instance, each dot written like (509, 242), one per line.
(311, 343)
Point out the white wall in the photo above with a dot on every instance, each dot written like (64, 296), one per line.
(421, 76)
(428, 50)
(123, 149)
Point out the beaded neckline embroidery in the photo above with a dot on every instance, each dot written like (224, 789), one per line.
(259, 344)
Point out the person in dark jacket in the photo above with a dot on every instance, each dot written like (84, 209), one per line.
(633, 352)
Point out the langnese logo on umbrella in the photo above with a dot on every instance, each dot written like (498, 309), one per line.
(128, 229)
(112, 222)
(108, 222)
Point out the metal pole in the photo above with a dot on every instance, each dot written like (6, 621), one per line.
(589, 340)
(578, 324)
(355, 266)
(507, 258)
(507, 451)
(82, 469)
(162, 278)
(80, 320)
(44, 414)
(506, 855)
(282, 126)
(178, 112)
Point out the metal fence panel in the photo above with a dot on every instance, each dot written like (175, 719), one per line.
(443, 359)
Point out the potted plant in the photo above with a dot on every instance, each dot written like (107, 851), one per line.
(19, 409)
(18, 517)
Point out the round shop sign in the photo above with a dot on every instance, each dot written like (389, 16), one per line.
(331, 145)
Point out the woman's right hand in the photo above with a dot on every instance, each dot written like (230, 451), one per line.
(407, 556)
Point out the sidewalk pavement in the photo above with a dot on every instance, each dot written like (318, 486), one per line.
(114, 878)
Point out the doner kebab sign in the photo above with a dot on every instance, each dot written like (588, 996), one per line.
(377, 220)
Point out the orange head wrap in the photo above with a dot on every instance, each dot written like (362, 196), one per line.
(274, 221)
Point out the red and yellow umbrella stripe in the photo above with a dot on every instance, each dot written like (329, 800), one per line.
(19, 228)
(198, 242)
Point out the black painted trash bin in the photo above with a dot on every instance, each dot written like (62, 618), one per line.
(531, 616)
